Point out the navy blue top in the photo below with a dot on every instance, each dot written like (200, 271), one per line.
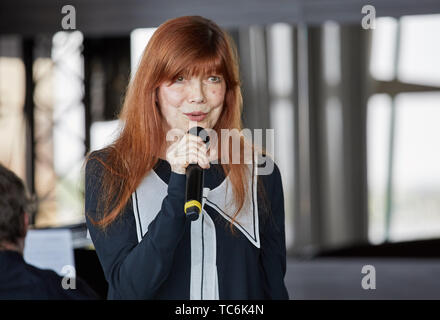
(158, 264)
(22, 281)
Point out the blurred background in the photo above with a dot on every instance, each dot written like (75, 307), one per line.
(355, 105)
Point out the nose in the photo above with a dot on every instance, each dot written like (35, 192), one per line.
(196, 93)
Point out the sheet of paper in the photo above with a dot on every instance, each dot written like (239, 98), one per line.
(50, 249)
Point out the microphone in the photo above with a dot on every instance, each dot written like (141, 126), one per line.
(195, 181)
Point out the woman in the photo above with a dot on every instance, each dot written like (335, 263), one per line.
(135, 188)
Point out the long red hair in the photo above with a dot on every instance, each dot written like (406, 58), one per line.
(190, 45)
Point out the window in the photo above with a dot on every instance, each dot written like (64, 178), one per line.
(403, 131)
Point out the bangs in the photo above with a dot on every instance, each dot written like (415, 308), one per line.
(198, 67)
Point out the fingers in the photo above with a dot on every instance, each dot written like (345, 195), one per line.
(189, 149)
(191, 139)
(192, 148)
(193, 157)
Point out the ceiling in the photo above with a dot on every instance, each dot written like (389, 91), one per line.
(105, 17)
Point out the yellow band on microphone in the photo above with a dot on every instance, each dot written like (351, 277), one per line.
(193, 203)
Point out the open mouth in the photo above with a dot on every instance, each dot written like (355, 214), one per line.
(196, 116)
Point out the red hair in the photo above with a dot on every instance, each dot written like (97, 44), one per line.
(190, 45)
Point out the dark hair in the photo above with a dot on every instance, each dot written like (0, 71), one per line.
(13, 204)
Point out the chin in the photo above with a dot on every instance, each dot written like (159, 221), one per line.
(203, 124)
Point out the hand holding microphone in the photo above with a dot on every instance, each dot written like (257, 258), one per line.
(190, 156)
(189, 149)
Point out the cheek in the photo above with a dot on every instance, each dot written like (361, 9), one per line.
(172, 97)
(168, 104)
(217, 95)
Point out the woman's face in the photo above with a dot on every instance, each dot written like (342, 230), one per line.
(200, 94)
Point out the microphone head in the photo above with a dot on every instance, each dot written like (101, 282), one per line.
(200, 132)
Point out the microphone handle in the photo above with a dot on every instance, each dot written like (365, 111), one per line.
(194, 191)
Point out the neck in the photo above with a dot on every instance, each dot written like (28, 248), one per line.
(16, 247)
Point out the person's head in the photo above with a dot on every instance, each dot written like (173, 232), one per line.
(13, 207)
(189, 65)
(194, 71)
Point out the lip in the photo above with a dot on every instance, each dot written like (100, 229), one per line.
(196, 116)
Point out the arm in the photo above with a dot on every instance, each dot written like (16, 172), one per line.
(136, 270)
(273, 241)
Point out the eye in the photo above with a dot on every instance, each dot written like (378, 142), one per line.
(179, 79)
(214, 79)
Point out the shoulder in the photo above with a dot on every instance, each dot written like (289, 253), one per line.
(96, 162)
(44, 274)
(272, 196)
(268, 170)
(52, 283)
(44, 277)
(95, 167)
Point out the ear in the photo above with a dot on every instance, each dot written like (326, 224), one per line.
(25, 224)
